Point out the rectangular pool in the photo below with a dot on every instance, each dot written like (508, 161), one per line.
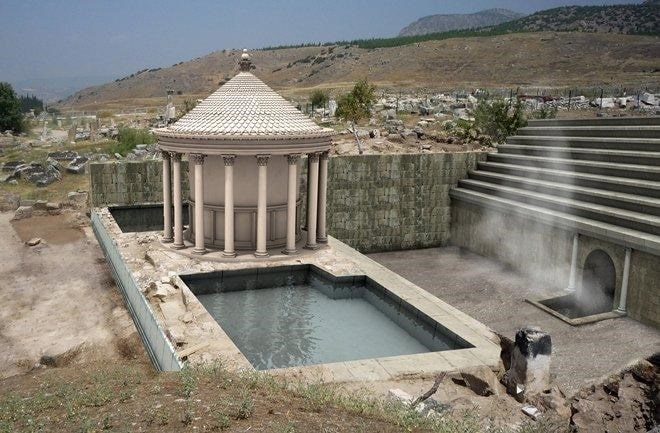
(301, 315)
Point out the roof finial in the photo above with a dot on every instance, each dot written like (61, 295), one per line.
(245, 64)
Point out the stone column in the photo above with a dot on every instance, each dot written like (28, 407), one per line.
(291, 205)
(574, 260)
(198, 160)
(312, 200)
(262, 197)
(229, 206)
(178, 203)
(321, 234)
(167, 197)
(623, 296)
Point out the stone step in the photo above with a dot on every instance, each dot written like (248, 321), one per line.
(632, 238)
(632, 202)
(635, 144)
(592, 131)
(607, 155)
(634, 171)
(609, 183)
(621, 217)
(598, 121)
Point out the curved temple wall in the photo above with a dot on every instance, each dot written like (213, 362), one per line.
(245, 201)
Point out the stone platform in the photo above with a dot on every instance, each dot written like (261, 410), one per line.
(198, 339)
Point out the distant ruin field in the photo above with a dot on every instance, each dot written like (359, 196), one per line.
(541, 60)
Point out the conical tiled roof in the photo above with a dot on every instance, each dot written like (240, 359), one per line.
(245, 108)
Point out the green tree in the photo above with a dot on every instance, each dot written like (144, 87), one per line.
(356, 105)
(318, 98)
(10, 110)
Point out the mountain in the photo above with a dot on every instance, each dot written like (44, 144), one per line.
(53, 89)
(637, 19)
(443, 23)
(509, 60)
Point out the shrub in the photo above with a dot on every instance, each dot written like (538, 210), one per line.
(128, 138)
(318, 98)
(498, 118)
(544, 112)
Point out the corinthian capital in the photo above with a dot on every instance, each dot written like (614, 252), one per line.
(262, 160)
(197, 158)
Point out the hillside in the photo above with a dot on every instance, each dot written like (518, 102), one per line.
(443, 23)
(525, 59)
(627, 19)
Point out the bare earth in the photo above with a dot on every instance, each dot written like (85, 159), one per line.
(496, 297)
(58, 298)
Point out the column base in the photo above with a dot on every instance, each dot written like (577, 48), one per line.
(258, 254)
(167, 240)
(199, 252)
(620, 312)
(290, 252)
(178, 247)
(229, 254)
(323, 240)
(312, 246)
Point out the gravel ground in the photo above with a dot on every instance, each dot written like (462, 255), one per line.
(495, 296)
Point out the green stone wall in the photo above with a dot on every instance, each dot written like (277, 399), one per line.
(375, 202)
(129, 182)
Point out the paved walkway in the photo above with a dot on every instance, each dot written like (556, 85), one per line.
(491, 294)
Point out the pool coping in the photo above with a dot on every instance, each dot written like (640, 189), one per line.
(143, 251)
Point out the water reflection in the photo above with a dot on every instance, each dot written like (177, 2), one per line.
(313, 323)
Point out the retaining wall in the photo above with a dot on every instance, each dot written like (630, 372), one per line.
(375, 202)
(158, 346)
(543, 252)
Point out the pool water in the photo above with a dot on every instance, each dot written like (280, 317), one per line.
(308, 320)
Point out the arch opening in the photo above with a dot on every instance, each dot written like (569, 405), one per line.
(598, 284)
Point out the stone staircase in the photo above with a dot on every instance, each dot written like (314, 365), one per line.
(597, 176)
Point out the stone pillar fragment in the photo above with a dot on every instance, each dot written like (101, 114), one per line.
(530, 363)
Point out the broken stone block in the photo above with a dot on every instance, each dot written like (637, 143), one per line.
(39, 205)
(187, 318)
(176, 335)
(552, 399)
(531, 412)
(482, 381)
(34, 241)
(77, 196)
(400, 395)
(530, 363)
(22, 212)
(53, 208)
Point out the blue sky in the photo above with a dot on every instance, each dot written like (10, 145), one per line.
(98, 40)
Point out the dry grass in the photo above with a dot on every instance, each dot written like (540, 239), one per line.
(132, 397)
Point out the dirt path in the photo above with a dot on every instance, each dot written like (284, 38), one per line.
(57, 299)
